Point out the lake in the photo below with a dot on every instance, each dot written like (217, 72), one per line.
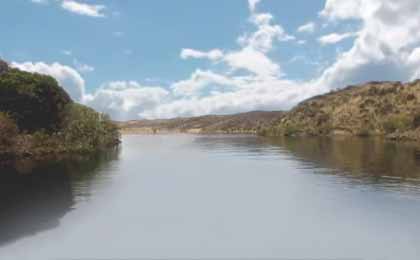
(186, 196)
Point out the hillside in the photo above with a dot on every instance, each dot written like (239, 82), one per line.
(38, 119)
(245, 123)
(390, 109)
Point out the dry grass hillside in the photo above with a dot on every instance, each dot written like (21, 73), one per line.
(391, 109)
(246, 123)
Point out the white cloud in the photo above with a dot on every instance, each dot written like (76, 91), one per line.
(198, 81)
(307, 28)
(253, 95)
(389, 33)
(344, 9)
(267, 32)
(83, 8)
(124, 100)
(414, 61)
(81, 67)
(414, 57)
(253, 4)
(213, 55)
(67, 77)
(253, 61)
(39, 1)
(334, 38)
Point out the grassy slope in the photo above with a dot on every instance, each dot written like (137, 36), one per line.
(391, 109)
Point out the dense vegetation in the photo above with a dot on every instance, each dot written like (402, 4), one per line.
(389, 109)
(38, 118)
(34, 101)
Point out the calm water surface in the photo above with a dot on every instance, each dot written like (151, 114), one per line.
(218, 197)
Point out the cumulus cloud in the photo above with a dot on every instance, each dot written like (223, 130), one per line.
(83, 8)
(307, 27)
(267, 32)
(213, 55)
(253, 61)
(252, 56)
(334, 38)
(253, 95)
(198, 81)
(389, 33)
(66, 76)
(124, 100)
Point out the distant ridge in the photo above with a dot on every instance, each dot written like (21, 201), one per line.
(245, 123)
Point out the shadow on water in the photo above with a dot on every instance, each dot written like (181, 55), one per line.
(34, 197)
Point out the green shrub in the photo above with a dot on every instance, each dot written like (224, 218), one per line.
(86, 130)
(34, 101)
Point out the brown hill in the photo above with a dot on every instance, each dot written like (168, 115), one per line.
(390, 109)
(245, 123)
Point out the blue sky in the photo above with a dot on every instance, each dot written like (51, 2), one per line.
(149, 59)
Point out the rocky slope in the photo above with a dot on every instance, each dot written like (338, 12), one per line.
(245, 123)
(390, 109)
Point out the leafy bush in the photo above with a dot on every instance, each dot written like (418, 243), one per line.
(34, 101)
(8, 132)
(86, 130)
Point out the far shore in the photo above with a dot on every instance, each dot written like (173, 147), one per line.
(193, 131)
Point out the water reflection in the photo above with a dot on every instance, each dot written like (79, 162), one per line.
(34, 197)
(356, 156)
(370, 162)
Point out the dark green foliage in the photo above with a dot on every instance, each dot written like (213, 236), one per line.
(34, 101)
